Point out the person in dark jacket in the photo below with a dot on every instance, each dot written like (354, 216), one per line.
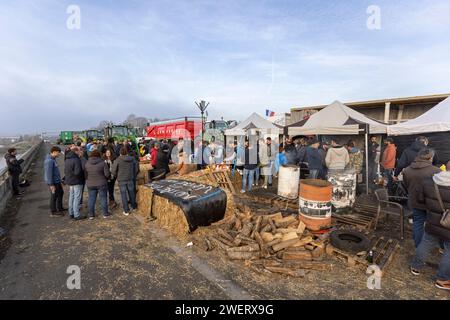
(125, 171)
(312, 157)
(162, 162)
(250, 166)
(435, 233)
(323, 155)
(14, 169)
(413, 176)
(83, 158)
(52, 177)
(410, 154)
(74, 178)
(109, 158)
(97, 175)
(291, 153)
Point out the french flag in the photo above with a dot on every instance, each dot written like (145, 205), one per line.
(270, 113)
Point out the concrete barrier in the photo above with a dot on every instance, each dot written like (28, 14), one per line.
(5, 181)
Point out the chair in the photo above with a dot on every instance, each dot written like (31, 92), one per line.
(385, 203)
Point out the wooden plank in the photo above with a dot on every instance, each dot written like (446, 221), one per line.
(303, 241)
(290, 236)
(301, 228)
(284, 244)
(297, 255)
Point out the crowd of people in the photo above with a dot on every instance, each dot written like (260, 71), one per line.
(97, 166)
(100, 165)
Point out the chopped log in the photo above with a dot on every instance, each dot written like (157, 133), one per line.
(246, 240)
(262, 246)
(276, 216)
(299, 255)
(272, 225)
(266, 236)
(301, 228)
(256, 227)
(274, 242)
(238, 224)
(283, 223)
(237, 255)
(286, 230)
(237, 242)
(284, 244)
(303, 241)
(287, 271)
(290, 236)
(225, 235)
(309, 247)
(247, 248)
(266, 228)
(218, 244)
(225, 241)
(247, 230)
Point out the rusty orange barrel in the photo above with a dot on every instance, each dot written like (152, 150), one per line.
(315, 204)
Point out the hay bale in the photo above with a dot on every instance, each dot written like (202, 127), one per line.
(143, 197)
(168, 215)
(144, 168)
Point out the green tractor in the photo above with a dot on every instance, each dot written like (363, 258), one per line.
(65, 137)
(121, 133)
(93, 134)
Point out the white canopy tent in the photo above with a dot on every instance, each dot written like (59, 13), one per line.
(252, 124)
(435, 120)
(336, 119)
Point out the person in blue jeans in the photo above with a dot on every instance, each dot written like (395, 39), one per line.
(97, 174)
(413, 176)
(250, 167)
(434, 194)
(74, 178)
(125, 170)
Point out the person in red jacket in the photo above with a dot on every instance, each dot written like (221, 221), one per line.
(388, 161)
(154, 154)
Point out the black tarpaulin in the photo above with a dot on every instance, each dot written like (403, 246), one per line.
(202, 204)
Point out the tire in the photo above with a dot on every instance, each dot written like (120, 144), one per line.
(349, 241)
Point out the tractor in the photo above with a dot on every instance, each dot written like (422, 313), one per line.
(121, 133)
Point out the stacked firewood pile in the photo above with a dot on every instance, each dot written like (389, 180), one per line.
(270, 243)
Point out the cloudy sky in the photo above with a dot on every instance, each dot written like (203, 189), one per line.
(155, 58)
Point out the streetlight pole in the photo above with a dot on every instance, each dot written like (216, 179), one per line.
(202, 106)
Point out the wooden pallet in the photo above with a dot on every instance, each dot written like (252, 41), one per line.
(384, 252)
(359, 221)
(222, 179)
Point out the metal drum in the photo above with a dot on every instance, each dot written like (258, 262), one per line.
(344, 188)
(288, 181)
(315, 204)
